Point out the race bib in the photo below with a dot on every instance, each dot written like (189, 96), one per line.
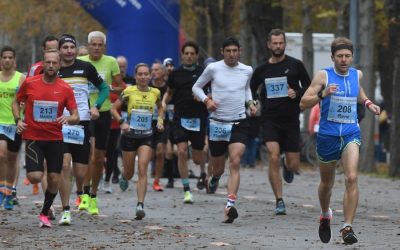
(342, 109)
(73, 134)
(140, 119)
(276, 87)
(45, 111)
(220, 131)
(192, 124)
(8, 130)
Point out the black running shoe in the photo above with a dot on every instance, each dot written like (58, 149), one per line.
(211, 187)
(324, 230)
(170, 183)
(201, 183)
(287, 175)
(349, 237)
(231, 214)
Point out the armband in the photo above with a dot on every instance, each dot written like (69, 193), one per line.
(367, 103)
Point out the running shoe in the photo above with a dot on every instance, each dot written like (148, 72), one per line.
(8, 203)
(107, 187)
(85, 200)
(188, 199)
(211, 187)
(51, 213)
(78, 200)
(324, 230)
(2, 196)
(170, 183)
(201, 183)
(115, 179)
(15, 198)
(44, 221)
(156, 186)
(93, 210)
(280, 208)
(65, 219)
(287, 175)
(123, 184)
(349, 237)
(140, 214)
(35, 189)
(231, 214)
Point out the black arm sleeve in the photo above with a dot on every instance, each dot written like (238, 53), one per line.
(304, 79)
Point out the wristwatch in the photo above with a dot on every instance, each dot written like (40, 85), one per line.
(121, 120)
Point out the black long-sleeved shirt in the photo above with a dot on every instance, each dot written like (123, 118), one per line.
(282, 109)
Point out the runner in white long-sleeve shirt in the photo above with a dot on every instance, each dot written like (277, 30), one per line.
(228, 124)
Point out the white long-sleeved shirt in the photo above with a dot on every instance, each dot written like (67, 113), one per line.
(230, 89)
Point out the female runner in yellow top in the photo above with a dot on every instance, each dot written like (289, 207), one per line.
(137, 130)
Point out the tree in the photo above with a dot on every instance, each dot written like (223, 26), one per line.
(393, 14)
(26, 23)
(366, 64)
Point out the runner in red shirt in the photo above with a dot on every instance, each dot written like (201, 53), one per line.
(45, 97)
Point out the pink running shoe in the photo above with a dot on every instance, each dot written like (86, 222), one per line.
(44, 221)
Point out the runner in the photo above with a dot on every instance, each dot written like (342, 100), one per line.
(49, 43)
(78, 74)
(45, 97)
(283, 81)
(108, 69)
(10, 142)
(230, 83)
(137, 136)
(190, 117)
(158, 73)
(338, 89)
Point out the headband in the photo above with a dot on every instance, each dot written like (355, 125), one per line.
(66, 39)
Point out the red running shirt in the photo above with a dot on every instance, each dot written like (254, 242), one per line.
(35, 92)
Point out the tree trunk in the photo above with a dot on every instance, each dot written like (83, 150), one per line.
(342, 25)
(201, 27)
(392, 8)
(366, 42)
(217, 34)
(245, 35)
(263, 15)
(308, 48)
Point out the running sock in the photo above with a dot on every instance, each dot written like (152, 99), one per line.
(93, 195)
(157, 180)
(231, 200)
(326, 214)
(185, 183)
(140, 204)
(79, 193)
(86, 189)
(278, 200)
(66, 208)
(48, 201)
(346, 225)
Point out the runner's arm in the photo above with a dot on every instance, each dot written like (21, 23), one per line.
(104, 92)
(362, 98)
(202, 81)
(310, 97)
(73, 119)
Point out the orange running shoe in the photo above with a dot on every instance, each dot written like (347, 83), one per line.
(156, 186)
(78, 201)
(35, 189)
